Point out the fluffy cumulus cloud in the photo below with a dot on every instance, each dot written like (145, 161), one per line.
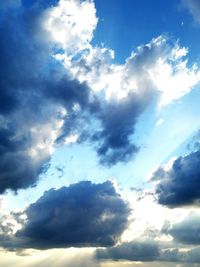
(81, 215)
(178, 184)
(193, 7)
(55, 84)
(157, 70)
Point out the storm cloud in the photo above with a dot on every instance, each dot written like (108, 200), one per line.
(179, 184)
(118, 125)
(186, 231)
(81, 215)
(132, 251)
(35, 95)
(148, 251)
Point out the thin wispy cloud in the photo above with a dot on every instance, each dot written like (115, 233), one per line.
(193, 6)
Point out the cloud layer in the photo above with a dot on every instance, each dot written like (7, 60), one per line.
(149, 251)
(132, 251)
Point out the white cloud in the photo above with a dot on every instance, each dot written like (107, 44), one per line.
(160, 66)
(71, 24)
(159, 122)
(71, 139)
(157, 71)
(172, 77)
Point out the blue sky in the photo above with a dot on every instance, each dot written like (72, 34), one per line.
(99, 133)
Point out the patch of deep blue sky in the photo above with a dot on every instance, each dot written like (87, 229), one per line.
(43, 4)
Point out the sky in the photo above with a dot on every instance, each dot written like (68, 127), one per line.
(99, 133)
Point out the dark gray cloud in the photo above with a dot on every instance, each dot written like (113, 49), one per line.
(148, 251)
(132, 251)
(118, 123)
(34, 91)
(118, 118)
(81, 215)
(186, 231)
(17, 169)
(179, 185)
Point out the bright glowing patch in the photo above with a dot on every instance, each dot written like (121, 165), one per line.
(71, 24)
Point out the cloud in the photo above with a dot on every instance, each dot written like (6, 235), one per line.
(19, 124)
(159, 122)
(36, 100)
(186, 231)
(84, 257)
(193, 7)
(176, 255)
(71, 24)
(160, 66)
(157, 71)
(178, 184)
(118, 120)
(149, 251)
(132, 251)
(44, 102)
(81, 215)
